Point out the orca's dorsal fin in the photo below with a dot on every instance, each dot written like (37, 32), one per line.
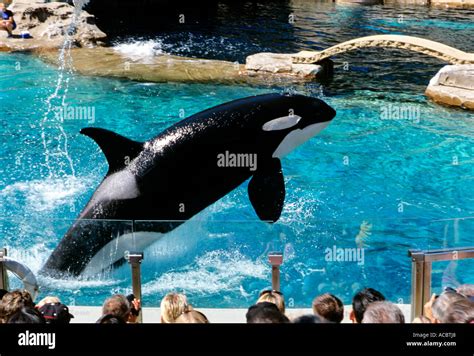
(267, 190)
(117, 149)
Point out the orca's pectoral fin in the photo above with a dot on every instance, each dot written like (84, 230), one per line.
(267, 191)
(117, 149)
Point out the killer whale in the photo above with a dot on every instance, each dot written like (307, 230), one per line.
(184, 169)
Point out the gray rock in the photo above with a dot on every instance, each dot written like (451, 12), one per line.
(277, 63)
(459, 77)
(48, 24)
(452, 3)
(269, 62)
(306, 70)
(453, 85)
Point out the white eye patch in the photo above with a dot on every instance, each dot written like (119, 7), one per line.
(281, 123)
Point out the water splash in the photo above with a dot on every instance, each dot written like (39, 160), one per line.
(137, 50)
(58, 162)
(214, 272)
(44, 195)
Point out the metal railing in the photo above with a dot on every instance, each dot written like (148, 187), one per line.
(135, 259)
(3, 270)
(275, 259)
(421, 272)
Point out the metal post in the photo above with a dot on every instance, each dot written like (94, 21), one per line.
(416, 283)
(3, 270)
(426, 283)
(135, 259)
(275, 259)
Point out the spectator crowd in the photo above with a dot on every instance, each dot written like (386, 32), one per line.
(368, 306)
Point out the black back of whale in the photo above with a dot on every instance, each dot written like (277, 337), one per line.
(175, 175)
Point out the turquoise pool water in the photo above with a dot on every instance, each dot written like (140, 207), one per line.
(411, 179)
(360, 169)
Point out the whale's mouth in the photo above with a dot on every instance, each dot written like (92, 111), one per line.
(297, 137)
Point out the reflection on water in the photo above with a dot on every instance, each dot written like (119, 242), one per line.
(234, 31)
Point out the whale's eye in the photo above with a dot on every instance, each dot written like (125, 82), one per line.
(281, 123)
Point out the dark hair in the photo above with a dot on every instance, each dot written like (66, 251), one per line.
(265, 312)
(362, 299)
(309, 319)
(13, 301)
(2, 293)
(110, 319)
(56, 313)
(26, 315)
(329, 307)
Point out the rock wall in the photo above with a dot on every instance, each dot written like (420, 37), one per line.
(452, 3)
(282, 64)
(108, 62)
(48, 24)
(453, 85)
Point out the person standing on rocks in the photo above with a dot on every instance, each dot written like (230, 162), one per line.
(7, 23)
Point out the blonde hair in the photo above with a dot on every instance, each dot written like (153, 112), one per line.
(274, 297)
(172, 306)
(47, 300)
(192, 317)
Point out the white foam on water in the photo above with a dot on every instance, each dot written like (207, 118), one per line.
(77, 283)
(143, 51)
(34, 258)
(46, 194)
(298, 208)
(214, 272)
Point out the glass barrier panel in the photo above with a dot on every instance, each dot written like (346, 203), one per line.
(224, 264)
(452, 233)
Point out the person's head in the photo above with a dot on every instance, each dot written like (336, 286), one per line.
(26, 315)
(110, 319)
(13, 302)
(48, 300)
(361, 301)
(383, 313)
(453, 308)
(172, 306)
(309, 319)
(2, 7)
(265, 312)
(461, 312)
(2, 293)
(274, 297)
(421, 320)
(192, 317)
(55, 313)
(466, 290)
(117, 305)
(329, 307)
